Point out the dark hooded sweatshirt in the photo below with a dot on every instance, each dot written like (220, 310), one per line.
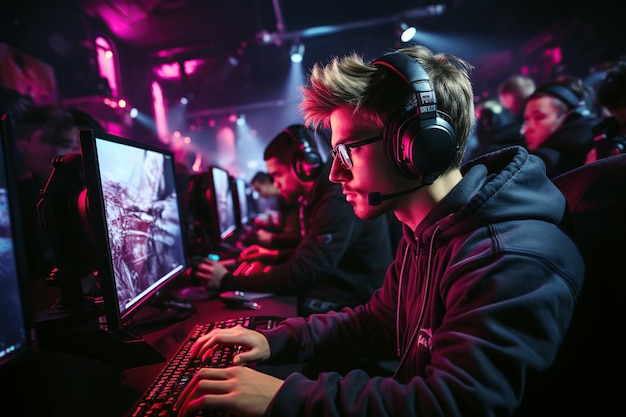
(567, 147)
(340, 259)
(476, 303)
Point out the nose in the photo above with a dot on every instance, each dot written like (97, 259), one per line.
(338, 173)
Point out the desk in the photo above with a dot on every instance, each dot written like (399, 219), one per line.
(71, 378)
(166, 340)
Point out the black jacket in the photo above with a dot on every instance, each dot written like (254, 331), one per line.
(340, 259)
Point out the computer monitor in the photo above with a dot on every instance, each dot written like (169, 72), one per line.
(210, 202)
(242, 204)
(17, 335)
(135, 221)
(224, 203)
(202, 235)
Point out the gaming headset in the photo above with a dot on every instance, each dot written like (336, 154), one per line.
(567, 96)
(419, 142)
(307, 162)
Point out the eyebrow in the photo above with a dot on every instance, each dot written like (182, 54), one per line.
(354, 138)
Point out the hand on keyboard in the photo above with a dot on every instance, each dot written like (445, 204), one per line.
(237, 390)
(210, 272)
(216, 351)
(254, 346)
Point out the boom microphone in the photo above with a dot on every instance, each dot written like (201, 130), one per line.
(376, 198)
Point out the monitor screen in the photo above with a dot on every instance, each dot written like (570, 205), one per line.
(242, 204)
(16, 323)
(209, 201)
(135, 218)
(224, 202)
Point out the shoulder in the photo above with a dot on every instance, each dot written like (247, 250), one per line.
(530, 242)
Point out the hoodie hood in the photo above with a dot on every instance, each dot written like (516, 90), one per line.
(504, 185)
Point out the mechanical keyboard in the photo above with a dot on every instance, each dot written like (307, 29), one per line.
(160, 397)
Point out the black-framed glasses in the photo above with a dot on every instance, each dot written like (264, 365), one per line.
(342, 150)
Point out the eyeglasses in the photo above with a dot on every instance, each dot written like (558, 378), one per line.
(343, 150)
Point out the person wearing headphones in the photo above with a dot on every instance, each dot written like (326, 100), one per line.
(340, 259)
(475, 305)
(558, 124)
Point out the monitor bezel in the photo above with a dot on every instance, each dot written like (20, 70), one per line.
(241, 190)
(223, 235)
(19, 250)
(116, 317)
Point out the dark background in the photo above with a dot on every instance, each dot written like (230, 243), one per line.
(498, 37)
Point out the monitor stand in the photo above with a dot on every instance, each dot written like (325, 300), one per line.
(123, 348)
(73, 307)
(76, 324)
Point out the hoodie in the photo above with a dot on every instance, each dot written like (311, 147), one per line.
(340, 259)
(475, 304)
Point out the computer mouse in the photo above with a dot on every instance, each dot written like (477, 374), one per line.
(238, 299)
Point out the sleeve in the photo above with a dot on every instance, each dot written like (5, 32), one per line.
(366, 329)
(500, 330)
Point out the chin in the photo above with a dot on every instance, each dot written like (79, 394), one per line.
(356, 207)
(366, 212)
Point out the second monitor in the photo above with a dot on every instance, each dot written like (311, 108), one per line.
(213, 199)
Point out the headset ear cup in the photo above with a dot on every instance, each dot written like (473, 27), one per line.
(420, 149)
(307, 164)
(419, 141)
(432, 148)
